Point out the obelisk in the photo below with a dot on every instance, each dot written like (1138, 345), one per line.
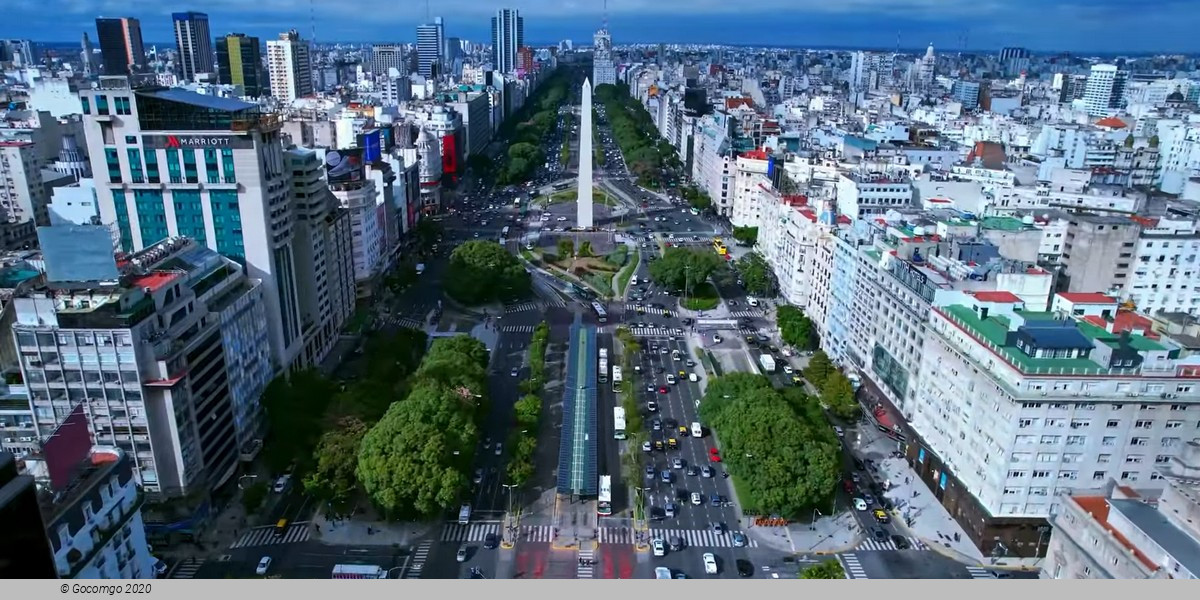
(583, 203)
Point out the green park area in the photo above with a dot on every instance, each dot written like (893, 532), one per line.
(702, 296)
(570, 195)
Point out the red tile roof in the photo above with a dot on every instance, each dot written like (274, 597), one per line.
(1112, 122)
(1097, 507)
(991, 154)
(1087, 298)
(732, 103)
(998, 296)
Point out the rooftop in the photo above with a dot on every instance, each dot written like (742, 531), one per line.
(199, 100)
(1087, 298)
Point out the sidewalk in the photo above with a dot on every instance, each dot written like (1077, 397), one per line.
(368, 533)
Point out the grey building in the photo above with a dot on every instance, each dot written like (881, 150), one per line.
(431, 39)
(194, 43)
(508, 35)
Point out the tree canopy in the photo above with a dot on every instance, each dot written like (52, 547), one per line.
(294, 408)
(483, 271)
(696, 197)
(830, 569)
(837, 393)
(795, 328)
(787, 462)
(333, 479)
(644, 150)
(747, 236)
(680, 266)
(818, 369)
(414, 461)
(755, 274)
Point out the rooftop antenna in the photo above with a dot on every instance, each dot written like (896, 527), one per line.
(312, 19)
(897, 42)
(426, 10)
(605, 21)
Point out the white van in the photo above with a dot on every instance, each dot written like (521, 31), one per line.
(697, 431)
(751, 300)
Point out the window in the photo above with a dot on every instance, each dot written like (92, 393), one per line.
(1113, 423)
(1103, 458)
(101, 104)
(1016, 474)
(1071, 475)
(1051, 439)
(1071, 457)
(1047, 457)
(1129, 476)
(113, 159)
(173, 171)
(1162, 459)
(210, 165)
(1041, 474)
(1099, 475)
(1133, 459)
(1174, 424)
(87, 105)
(1143, 424)
(1139, 441)
(1169, 442)
(122, 103)
(227, 165)
(189, 165)
(1076, 440)
(135, 165)
(1080, 423)
(1108, 440)
(152, 166)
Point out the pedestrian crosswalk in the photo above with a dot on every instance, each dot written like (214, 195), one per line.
(746, 314)
(420, 555)
(655, 331)
(265, 536)
(645, 310)
(473, 532)
(914, 543)
(525, 306)
(536, 533)
(397, 321)
(187, 569)
(585, 569)
(980, 573)
(517, 329)
(853, 568)
(692, 538)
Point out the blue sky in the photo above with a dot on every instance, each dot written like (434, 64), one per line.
(1077, 25)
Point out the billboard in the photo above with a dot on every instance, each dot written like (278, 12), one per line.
(371, 143)
(67, 447)
(388, 137)
(449, 155)
(344, 166)
(237, 142)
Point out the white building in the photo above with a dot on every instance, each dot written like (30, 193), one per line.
(865, 193)
(22, 197)
(289, 67)
(75, 204)
(508, 35)
(750, 184)
(603, 69)
(1105, 88)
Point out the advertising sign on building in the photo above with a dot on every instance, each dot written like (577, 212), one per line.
(344, 166)
(236, 142)
(449, 155)
(371, 143)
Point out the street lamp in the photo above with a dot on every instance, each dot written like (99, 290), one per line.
(239, 481)
(812, 526)
(509, 526)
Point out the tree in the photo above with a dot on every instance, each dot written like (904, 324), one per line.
(755, 274)
(528, 411)
(818, 369)
(838, 395)
(294, 409)
(585, 249)
(566, 248)
(413, 462)
(427, 232)
(680, 267)
(334, 479)
(747, 236)
(795, 328)
(786, 462)
(830, 569)
(253, 496)
(483, 271)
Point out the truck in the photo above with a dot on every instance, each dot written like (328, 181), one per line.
(359, 572)
(768, 362)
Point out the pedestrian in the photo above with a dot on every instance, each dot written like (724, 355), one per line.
(907, 480)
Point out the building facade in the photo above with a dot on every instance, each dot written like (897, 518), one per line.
(194, 43)
(508, 35)
(121, 49)
(22, 196)
(239, 62)
(431, 41)
(289, 66)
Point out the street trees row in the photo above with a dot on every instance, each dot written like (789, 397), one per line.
(528, 410)
(483, 271)
(837, 393)
(783, 451)
(755, 274)
(746, 236)
(681, 268)
(646, 153)
(414, 462)
(526, 130)
(696, 197)
(795, 328)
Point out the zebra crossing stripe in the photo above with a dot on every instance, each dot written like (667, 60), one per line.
(418, 560)
(980, 573)
(853, 567)
(585, 571)
(473, 532)
(265, 536)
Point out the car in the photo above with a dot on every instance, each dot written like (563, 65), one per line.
(656, 425)
(718, 528)
(716, 339)
(692, 470)
(690, 363)
(839, 431)
(695, 498)
(744, 568)
(706, 471)
(683, 430)
(869, 499)
(650, 469)
(788, 369)
(664, 350)
(660, 549)
(652, 406)
(860, 504)
(478, 476)
(714, 456)
(499, 448)
(264, 564)
(664, 389)
(665, 476)
(715, 500)
(281, 483)
(677, 463)
(662, 573)
(670, 379)
(490, 541)
(646, 446)
(659, 370)
(848, 486)
(710, 563)
(650, 388)
(461, 555)
(561, 219)
(739, 539)
(881, 515)
(901, 542)
(515, 371)
(879, 534)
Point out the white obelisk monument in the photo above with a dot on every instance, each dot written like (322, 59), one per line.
(584, 201)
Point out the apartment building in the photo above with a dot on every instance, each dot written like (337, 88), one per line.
(289, 67)
(751, 179)
(166, 351)
(324, 258)
(864, 193)
(1015, 406)
(1118, 533)
(22, 196)
(712, 167)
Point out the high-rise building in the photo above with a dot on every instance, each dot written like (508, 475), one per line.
(385, 57)
(86, 57)
(508, 34)
(18, 52)
(1014, 60)
(290, 67)
(239, 62)
(927, 69)
(228, 188)
(431, 37)
(22, 197)
(1105, 89)
(121, 50)
(194, 43)
(603, 70)
(967, 93)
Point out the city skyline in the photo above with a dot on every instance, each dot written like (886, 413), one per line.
(1102, 26)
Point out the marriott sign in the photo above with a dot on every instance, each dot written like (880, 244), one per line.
(239, 142)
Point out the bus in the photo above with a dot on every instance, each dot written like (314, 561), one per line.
(504, 232)
(719, 247)
(604, 504)
(618, 423)
(562, 186)
(602, 371)
(601, 314)
(616, 379)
